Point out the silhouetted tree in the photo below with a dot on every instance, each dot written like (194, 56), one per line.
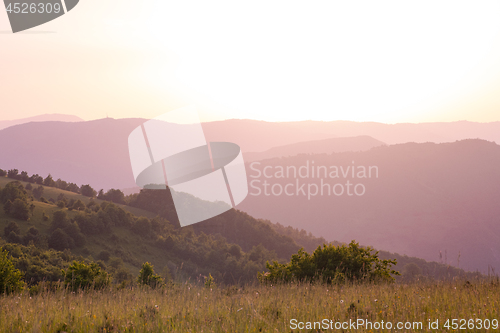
(24, 176)
(88, 191)
(36, 179)
(48, 181)
(12, 173)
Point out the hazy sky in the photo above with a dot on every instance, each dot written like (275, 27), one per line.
(387, 61)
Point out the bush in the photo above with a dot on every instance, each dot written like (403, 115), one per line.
(10, 277)
(332, 264)
(82, 276)
(148, 277)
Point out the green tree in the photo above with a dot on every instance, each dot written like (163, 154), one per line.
(10, 277)
(59, 220)
(82, 276)
(12, 191)
(78, 205)
(148, 277)
(20, 210)
(3, 173)
(59, 240)
(332, 264)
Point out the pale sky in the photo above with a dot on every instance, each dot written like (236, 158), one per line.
(386, 61)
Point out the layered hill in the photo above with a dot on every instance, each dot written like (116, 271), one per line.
(434, 201)
(96, 152)
(40, 118)
(333, 145)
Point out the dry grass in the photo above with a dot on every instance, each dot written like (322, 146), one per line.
(190, 308)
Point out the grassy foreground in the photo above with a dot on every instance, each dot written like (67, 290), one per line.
(190, 308)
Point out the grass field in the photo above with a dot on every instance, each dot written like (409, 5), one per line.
(194, 308)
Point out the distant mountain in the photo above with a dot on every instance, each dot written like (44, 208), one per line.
(41, 118)
(326, 146)
(434, 201)
(91, 152)
(259, 136)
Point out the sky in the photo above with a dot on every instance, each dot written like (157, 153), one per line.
(385, 61)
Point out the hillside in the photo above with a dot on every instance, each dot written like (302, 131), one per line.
(41, 118)
(326, 146)
(112, 233)
(433, 201)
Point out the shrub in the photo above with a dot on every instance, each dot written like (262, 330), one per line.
(82, 276)
(148, 277)
(332, 264)
(10, 277)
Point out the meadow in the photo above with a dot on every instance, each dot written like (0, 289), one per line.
(256, 308)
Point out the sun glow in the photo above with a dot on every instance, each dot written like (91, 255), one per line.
(385, 61)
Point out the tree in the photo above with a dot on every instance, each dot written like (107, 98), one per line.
(20, 210)
(332, 264)
(78, 205)
(3, 173)
(12, 191)
(33, 235)
(72, 187)
(10, 277)
(49, 181)
(82, 276)
(112, 195)
(142, 226)
(24, 176)
(12, 173)
(37, 192)
(11, 227)
(28, 187)
(88, 191)
(60, 241)
(61, 184)
(59, 220)
(148, 277)
(36, 179)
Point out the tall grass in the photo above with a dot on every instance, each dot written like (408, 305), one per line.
(195, 308)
